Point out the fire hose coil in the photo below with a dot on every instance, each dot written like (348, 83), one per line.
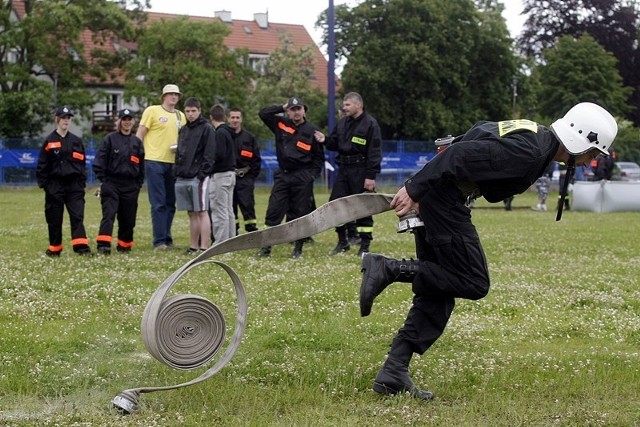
(187, 331)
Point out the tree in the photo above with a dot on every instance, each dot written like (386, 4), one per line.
(44, 60)
(578, 70)
(612, 23)
(426, 68)
(192, 55)
(288, 73)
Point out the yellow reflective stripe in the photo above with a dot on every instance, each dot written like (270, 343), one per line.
(364, 229)
(510, 126)
(357, 140)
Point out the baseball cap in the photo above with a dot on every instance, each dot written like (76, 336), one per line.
(295, 102)
(170, 89)
(125, 112)
(64, 111)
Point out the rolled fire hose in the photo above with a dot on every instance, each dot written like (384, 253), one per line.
(187, 331)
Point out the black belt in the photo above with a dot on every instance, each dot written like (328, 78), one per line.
(350, 160)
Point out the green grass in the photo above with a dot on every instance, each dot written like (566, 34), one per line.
(556, 341)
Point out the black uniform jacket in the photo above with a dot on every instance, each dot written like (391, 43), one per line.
(120, 156)
(248, 153)
(225, 156)
(196, 149)
(61, 158)
(357, 137)
(499, 158)
(296, 147)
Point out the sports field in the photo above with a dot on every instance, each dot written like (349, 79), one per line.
(555, 343)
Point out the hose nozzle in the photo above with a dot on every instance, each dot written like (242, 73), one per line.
(409, 222)
(126, 402)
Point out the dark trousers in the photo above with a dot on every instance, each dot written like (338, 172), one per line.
(291, 195)
(243, 198)
(58, 195)
(119, 199)
(349, 181)
(453, 265)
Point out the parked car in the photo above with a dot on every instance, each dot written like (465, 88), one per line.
(629, 171)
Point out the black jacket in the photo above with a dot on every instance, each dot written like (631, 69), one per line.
(225, 155)
(196, 149)
(296, 147)
(120, 156)
(61, 158)
(500, 159)
(248, 153)
(359, 137)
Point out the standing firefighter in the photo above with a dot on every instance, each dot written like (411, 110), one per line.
(495, 160)
(357, 140)
(119, 165)
(300, 160)
(62, 173)
(248, 165)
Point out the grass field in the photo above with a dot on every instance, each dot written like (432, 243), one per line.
(555, 343)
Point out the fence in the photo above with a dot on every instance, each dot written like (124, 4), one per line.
(19, 158)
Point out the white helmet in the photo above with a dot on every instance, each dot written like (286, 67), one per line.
(586, 126)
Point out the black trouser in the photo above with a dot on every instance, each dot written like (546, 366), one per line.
(58, 194)
(291, 194)
(349, 181)
(453, 265)
(244, 199)
(119, 199)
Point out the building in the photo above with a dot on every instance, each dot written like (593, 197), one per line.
(259, 36)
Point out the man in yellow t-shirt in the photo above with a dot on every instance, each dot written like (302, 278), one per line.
(158, 130)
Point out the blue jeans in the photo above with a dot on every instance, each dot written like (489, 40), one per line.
(162, 197)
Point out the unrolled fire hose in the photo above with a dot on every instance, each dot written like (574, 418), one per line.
(186, 331)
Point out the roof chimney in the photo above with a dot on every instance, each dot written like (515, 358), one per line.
(262, 19)
(224, 15)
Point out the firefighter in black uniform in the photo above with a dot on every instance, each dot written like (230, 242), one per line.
(300, 160)
(495, 160)
(357, 140)
(248, 165)
(119, 165)
(62, 173)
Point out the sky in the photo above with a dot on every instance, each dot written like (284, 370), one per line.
(303, 12)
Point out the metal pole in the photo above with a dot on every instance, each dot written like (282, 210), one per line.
(331, 83)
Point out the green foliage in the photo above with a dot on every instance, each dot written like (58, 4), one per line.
(46, 45)
(426, 68)
(192, 55)
(288, 73)
(578, 70)
(627, 143)
(612, 23)
(554, 343)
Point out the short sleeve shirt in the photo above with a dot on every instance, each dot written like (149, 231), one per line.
(162, 132)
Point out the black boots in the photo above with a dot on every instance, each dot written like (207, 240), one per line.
(378, 273)
(364, 246)
(394, 378)
(264, 252)
(297, 249)
(343, 243)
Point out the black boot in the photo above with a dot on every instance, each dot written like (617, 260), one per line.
(264, 252)
(343, 243)
(364, 246)
(378, 273)
(297, 249)
(394, 377)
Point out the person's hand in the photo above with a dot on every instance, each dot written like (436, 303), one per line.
(370, 184)
(319, 136)
(403, 204)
